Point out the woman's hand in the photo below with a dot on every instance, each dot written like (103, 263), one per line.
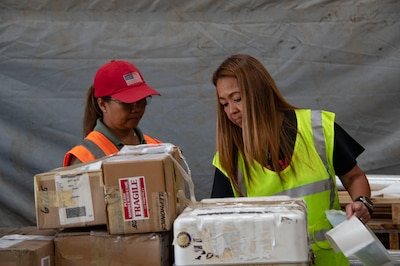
(358, 209)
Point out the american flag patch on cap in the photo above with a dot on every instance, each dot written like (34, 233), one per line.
(132, 78)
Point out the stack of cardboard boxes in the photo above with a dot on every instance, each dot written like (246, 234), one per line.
(118, 210)
(130, 209)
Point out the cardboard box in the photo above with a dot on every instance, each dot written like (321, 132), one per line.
(142, 193)
(97, 247)
(4, 230)
(27, 246)
(70, 197)
(134, 191)
(242, 231)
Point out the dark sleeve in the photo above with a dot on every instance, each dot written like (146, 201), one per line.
(222, 186)
(346, 150)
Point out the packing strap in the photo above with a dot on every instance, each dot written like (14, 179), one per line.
(167, 148)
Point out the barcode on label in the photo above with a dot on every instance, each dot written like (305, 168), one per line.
(75, 212)
(45, 261)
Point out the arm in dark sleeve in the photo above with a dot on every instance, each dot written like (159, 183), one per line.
(222, 186)
(346, 151)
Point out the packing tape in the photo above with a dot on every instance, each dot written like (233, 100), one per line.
(349, 236)
(353, 237)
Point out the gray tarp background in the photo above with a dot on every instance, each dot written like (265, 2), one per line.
(341, 56)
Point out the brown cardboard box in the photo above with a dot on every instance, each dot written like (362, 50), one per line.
(70, 197)
(103, 192)
(4, 230)
(141, 193)
(27, 246)
(98, 247)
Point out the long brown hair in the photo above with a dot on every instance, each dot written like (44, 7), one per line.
(263, 134)
(92, 112)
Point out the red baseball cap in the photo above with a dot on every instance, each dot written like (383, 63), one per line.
(122, 81)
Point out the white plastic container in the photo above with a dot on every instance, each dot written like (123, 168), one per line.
(242, 231)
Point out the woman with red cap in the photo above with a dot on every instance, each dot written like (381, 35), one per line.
(114, 106)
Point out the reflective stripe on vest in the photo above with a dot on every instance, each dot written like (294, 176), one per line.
(94, 146)
(319, 142)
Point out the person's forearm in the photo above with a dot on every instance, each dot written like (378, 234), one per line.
(356, 183)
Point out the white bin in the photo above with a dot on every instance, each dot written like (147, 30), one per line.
(242, 231)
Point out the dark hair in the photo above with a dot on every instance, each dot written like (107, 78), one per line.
(92, 111)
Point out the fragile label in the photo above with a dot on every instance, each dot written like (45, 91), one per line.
(134, 198)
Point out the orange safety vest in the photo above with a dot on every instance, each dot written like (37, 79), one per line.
(95, 146)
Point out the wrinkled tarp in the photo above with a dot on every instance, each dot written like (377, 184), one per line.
(341, 56)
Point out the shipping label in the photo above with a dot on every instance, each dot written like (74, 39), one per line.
(74, 198)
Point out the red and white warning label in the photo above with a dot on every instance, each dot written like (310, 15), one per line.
(134, 198)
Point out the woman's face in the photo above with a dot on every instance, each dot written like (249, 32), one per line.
(121, 116)
(230, 98)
